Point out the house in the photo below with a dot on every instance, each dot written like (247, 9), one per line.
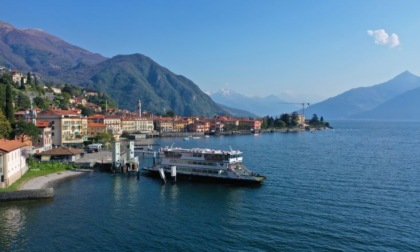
(113, 124)
(12, 161)
(67, 126)
(180, 125)
(144, 124)
(61, 153)
(128, 124)
(17, 77)
(197, 127)
(44, 141)
(164, 124)
(95, 128)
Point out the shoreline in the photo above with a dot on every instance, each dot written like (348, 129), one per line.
(39, 188)
(50, 180)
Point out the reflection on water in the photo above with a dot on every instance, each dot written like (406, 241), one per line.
(12, 222)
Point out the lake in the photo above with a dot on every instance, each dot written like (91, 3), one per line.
(356, 187)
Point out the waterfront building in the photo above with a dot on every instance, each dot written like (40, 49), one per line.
(12, 161)
(67, 126)
(249, 124)
(164, 124)
(128, 124)
(113, 124)
(61, 154)
(95, 128)
(179, 125)
(197, 127)
(217, 127)
(144, 124)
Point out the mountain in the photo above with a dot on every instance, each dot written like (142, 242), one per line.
(403, 107)
(37, 51)
(359, 100)
(237, 112)
(126, 78)
(261, 106)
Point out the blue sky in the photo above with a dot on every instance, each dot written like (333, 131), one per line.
(304, 50)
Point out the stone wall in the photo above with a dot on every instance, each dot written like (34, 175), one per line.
(36, 194)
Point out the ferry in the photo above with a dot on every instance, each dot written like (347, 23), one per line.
(203, 164)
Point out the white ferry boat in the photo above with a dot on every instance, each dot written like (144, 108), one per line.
(204, 164)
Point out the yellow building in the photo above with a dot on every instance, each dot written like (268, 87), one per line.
(67, 126)
(95, 128)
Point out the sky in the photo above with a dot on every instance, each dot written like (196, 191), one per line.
(300, 50)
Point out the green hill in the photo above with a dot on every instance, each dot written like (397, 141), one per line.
(128, 78)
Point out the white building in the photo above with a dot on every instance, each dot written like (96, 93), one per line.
(12, 162)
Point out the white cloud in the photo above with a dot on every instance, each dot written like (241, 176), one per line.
(383, 38)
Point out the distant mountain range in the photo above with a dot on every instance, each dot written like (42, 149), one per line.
(126, 78)
(270, 105)
(396, 99)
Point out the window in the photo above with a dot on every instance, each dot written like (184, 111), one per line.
(52, 134)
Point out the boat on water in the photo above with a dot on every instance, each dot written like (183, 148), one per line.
(203, 164)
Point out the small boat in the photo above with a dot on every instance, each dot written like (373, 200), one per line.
(186, 138)
(204, 164)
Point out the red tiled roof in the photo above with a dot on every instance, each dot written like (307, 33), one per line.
(62, 151)
(10, 145)
(42, 124)
(96, 116)
(96, 125)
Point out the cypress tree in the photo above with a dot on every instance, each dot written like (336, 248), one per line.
(22, 83)
(29, 79)
(9, 104)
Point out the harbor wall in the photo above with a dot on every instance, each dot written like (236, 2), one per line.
(35, 194)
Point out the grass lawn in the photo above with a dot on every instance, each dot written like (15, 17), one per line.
(37, 170)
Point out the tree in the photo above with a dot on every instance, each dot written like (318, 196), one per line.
(170, 113)
(264, 124)
(5, 128)
(40, 103)
(23, 102)
(85, 111)
(6, 79)
(294, 119)
(285, 118)
(27, 129)
(67, 89)
(29, 79)
(22, 84)
(314, 120)
(3, 99)
(104, 137)
(9, 111)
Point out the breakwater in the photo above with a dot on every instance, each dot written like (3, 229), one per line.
(34, 194)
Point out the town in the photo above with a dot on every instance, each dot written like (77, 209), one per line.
(63, 129)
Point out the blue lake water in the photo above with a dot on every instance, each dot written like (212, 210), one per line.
(356, 187)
